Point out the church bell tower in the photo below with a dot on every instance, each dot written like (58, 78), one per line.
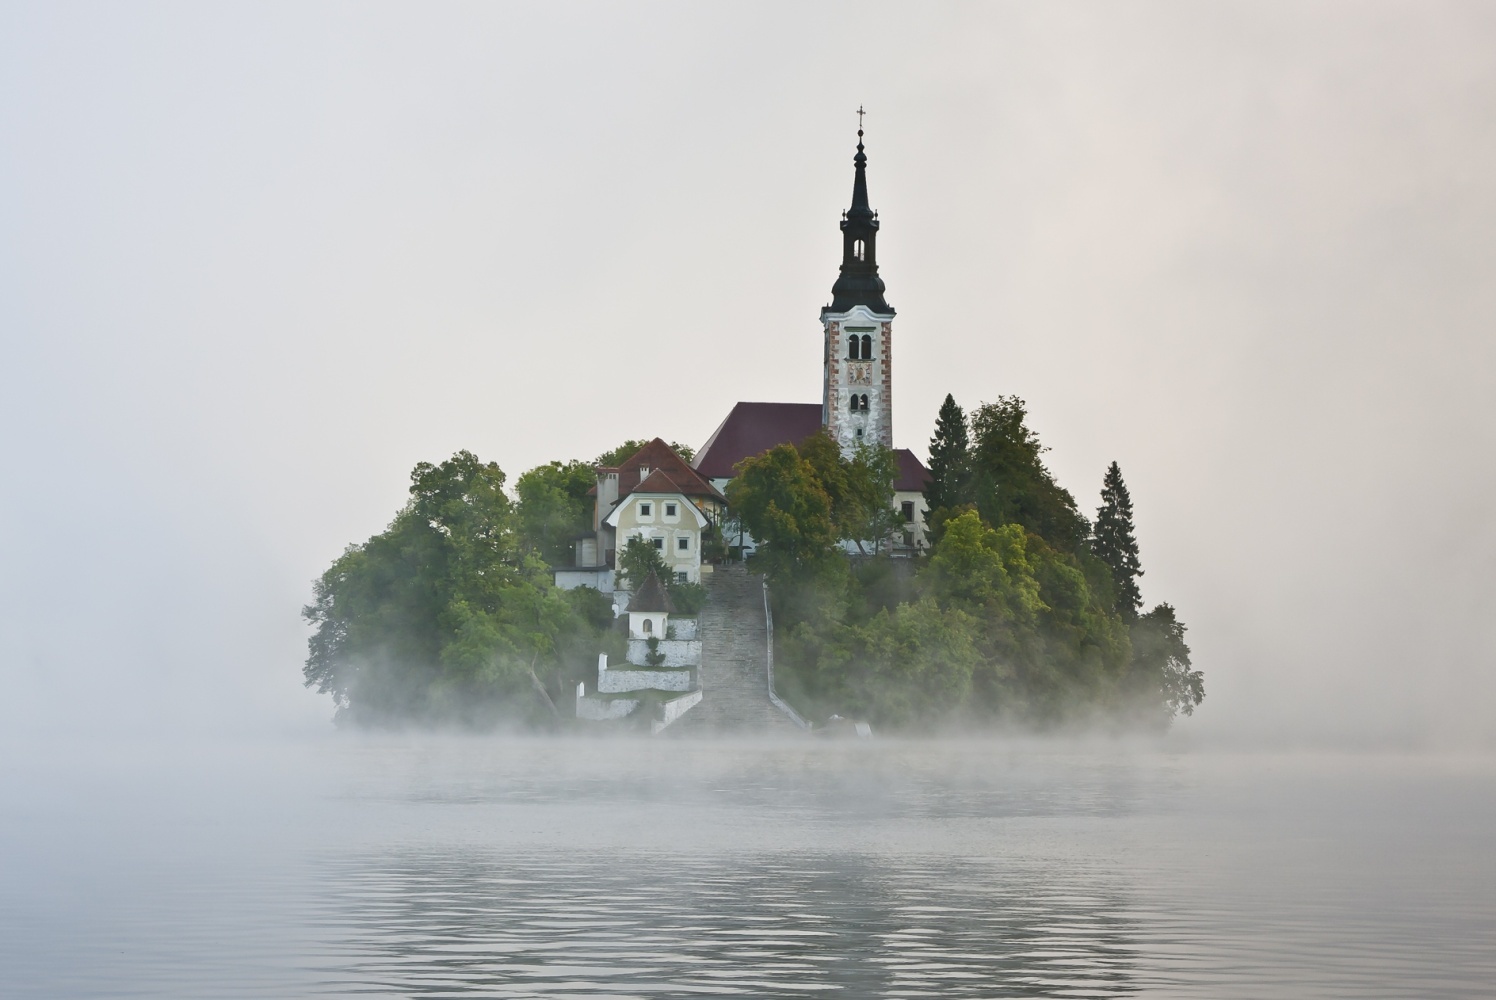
(857, 397)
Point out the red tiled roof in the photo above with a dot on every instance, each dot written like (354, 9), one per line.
(912, 476)
(667, 473)
(752, 429)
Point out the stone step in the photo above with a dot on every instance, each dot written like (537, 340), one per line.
(734, 670)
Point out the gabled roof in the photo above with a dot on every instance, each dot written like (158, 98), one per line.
(912, 475)
(652, 596)
(752, 429)
(664, 471)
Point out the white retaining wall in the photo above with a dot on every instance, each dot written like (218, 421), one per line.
(630, 678)
(678, 652)
(674, 709)
(602, 710)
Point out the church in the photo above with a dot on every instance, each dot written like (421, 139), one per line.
(655, 495)
(857, 378)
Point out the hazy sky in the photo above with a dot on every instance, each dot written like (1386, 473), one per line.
(259, 260)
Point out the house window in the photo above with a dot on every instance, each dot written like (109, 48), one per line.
(659, 543)
(670, 510)
(908, 508)
(682, 577)
(683, 543)
(646, 509)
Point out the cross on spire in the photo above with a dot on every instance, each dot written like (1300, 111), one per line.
(860, 113)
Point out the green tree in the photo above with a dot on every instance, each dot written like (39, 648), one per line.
(613, 456)
(555, 508)
(950, 461)
(444, 616)
(1114, 543)
(860, 488)
(1010, 482)
(1160, 679)
(780, 500)
(637, 560)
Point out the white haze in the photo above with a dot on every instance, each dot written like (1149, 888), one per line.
(258, 260)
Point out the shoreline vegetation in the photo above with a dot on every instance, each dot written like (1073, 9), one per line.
(1022, 615)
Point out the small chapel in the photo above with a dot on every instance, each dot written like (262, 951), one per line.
(655, 495)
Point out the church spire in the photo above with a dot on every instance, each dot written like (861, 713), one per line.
(859, 284)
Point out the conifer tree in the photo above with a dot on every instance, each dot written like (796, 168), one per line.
(950, 459)
(1113, 542)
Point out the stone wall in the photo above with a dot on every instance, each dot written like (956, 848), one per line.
(674, 709)
(628, 677)
(603, 709)
(678, 652)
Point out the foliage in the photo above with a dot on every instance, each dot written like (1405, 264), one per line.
(950, 461)
(1159, 676)
(780, 501)
(637, 560)
(613, 456)
(1114, 543)
(860, 488)
(1009, 482)
(653, 658)
(1012, 617)
(555, 508)
(446, 615)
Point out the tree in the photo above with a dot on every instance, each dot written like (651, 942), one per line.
(611, 458)
(1115, 545)
(860, 488)
(950, 461)
(444, 615)
(1160, 677)
(637, 560)
(780, 500)
(1010, 482)
(554, 508)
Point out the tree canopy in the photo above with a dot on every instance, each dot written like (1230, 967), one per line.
(450, 613)
(1114, 543)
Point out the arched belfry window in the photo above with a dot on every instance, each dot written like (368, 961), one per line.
(859, 250)
(867, 347)
(852, 348)
(864, 402)
(648, 625)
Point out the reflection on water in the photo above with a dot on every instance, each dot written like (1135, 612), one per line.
(425, 867)
(643, 924)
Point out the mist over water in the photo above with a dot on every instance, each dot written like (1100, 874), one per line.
(405, 866)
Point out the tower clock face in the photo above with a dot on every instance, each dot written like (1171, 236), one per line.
(859, 374)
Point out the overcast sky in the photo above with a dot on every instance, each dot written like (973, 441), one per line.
(256, 261)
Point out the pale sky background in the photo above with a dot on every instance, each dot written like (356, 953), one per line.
(256, 261)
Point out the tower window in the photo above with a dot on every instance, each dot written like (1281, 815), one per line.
(864, 403)
(867, 347)
(648, 625)
(908, 510)
(858, 250)
(852, 348)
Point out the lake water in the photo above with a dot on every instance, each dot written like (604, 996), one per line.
(544, 868)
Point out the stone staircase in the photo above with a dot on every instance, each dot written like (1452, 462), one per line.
(734, 673)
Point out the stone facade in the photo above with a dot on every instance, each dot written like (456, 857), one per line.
(857, 388)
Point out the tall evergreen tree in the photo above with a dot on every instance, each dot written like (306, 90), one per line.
(1113, 542)
(950, 459)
